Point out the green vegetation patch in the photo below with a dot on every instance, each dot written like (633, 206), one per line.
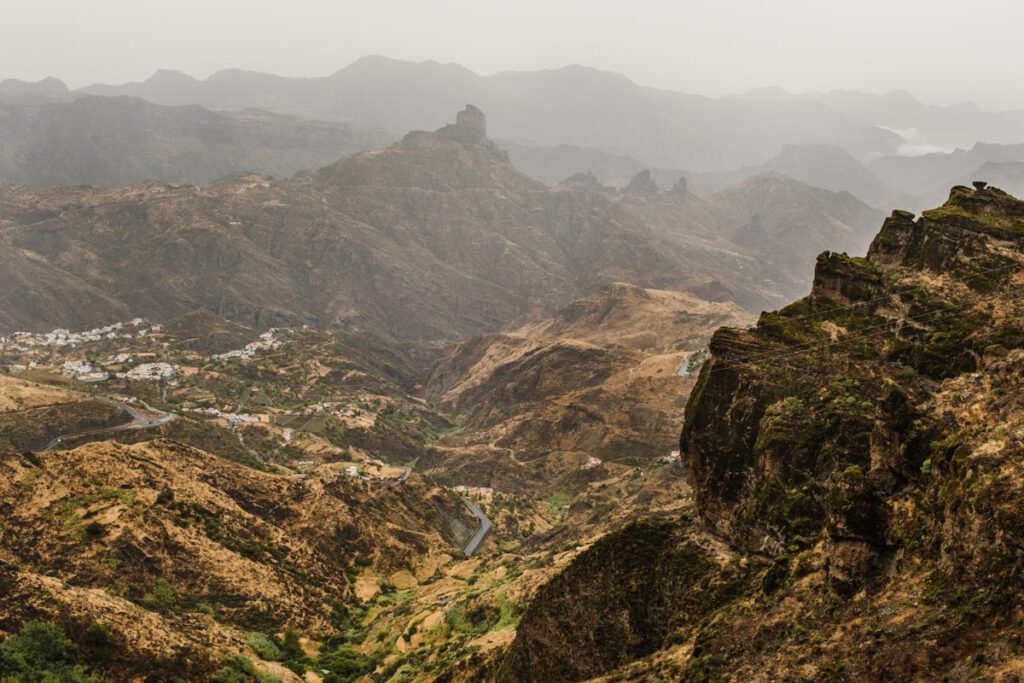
(40, 653)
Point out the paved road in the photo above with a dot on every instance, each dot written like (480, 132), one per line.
(139, 421)
(482, 530)
(19, 226)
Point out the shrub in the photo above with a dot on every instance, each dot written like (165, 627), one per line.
(242, 670)
(161, 598)
(264, 646)
(40, 652)
(292, 654)
(97, 645)
(95, 529)
(344, 664)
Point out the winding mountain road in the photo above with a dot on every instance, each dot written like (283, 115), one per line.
(139, 421)
(482, 530)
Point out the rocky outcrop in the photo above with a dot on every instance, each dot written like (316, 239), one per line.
(619, 601)
(585, 182)
(681, 189)
(851, 360)
(642, 184)
(864, 440)
(470, 127)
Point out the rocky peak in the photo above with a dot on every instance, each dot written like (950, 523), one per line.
(49, 89)
(681, 188)
(954, 237)
(470, 126)
(642, 184)
(586, 182)
(458, 155)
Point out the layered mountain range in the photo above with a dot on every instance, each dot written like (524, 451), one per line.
(120, 140)
(418, 415)
(432, 238)
(888, 150)
(574, 105)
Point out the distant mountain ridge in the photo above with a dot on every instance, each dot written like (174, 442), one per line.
(924, 125)
(14, 91)
(574, 105)
(929, 175)
(824, 166)
(122, 140)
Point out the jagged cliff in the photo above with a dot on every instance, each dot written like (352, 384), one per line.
(855, 452)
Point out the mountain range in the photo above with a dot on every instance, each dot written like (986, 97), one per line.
(553, 124)
(924, 127)
(302, 381)
(119, 140)
(429, 239)
(573, 106)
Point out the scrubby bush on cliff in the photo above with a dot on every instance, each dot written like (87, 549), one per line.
(242, 670)
(39, 653)
(344, 664)
(264, 646)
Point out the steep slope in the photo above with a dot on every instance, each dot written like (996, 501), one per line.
(177, 553)
(119, 140)
(856, 452)
(574, 105)
(554, 405)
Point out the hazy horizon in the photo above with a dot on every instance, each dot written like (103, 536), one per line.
(728, 48)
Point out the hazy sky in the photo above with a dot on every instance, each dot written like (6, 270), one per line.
(942, 51)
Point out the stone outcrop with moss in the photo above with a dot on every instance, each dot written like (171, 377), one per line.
(858, 450)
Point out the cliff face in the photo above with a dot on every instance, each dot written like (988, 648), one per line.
(641, 604)
(857, 449)
(842, 382)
